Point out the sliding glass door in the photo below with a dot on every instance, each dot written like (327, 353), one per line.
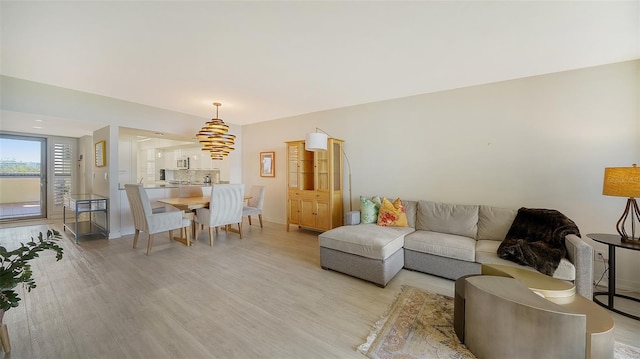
(23, 180)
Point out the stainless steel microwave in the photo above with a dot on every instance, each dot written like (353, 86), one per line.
(183, 163)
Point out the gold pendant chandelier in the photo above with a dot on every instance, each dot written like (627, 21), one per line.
(214, 137)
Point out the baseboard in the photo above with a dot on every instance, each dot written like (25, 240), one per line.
(622, 285)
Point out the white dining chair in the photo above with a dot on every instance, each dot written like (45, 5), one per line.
(153, 221)
(255, 203)
(225, 208)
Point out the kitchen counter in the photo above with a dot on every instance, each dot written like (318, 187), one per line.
(171, 184)
(154, 185)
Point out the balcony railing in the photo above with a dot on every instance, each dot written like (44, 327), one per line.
(19, 195)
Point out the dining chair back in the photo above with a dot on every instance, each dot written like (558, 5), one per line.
(225, 208)
(190, 191)
(151, 220)
(255, 203)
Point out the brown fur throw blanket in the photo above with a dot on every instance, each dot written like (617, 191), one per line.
(536, 239)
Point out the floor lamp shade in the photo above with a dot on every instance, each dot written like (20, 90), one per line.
(316, 141)
(624, 182)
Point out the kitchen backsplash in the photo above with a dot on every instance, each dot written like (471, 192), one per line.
(191, 176)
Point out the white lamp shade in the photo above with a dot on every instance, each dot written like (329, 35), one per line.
(316, 141)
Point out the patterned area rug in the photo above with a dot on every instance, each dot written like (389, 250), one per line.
(419, 324)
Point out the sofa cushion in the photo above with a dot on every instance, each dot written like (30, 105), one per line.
(494, 222)
(367, 240)
(411, 208)
(487, 253)
(392, 214)
(369, 209)
(448, 218)
(442, 244)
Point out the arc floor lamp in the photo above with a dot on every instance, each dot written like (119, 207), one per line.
(317, 141)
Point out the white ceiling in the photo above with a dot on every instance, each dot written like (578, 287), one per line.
(268, 60)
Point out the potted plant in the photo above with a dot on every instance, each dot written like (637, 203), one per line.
(15, 269)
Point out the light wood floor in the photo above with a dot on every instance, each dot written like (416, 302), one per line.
(262, 296)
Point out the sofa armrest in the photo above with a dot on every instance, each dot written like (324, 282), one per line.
(581, 255)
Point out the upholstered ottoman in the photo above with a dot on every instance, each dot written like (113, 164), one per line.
(366, 251)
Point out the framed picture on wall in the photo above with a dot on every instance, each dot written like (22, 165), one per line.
(267, 164)
(101, 154)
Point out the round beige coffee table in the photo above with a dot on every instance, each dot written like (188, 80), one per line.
(493, 311)
(543, 285)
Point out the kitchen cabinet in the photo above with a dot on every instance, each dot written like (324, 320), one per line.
(170, 159)
(198, 159)
(204, 161)
(146, 166)
(126, 161)
(314, 186)
(193, 154)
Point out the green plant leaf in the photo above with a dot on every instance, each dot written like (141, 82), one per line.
(15, 268)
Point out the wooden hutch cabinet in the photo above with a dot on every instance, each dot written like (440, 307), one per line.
(314, 186)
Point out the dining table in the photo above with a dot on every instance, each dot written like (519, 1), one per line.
(189, 205)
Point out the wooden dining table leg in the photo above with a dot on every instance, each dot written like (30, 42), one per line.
(187, 234)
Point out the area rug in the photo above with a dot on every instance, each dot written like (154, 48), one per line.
(419, 324)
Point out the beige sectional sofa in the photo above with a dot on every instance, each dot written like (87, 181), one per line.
(446, 240)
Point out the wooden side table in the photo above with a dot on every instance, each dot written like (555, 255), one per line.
(613, 241)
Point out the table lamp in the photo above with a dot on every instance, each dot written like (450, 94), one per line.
(624, 182)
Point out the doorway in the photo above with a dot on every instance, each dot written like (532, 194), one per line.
(23, 189)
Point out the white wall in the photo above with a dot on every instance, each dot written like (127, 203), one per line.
(234, 162)
(37, 98)
(105, 179)
(85, 175)
(541, 141)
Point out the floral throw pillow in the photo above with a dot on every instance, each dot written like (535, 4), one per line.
(392, 214)
(369, 209)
